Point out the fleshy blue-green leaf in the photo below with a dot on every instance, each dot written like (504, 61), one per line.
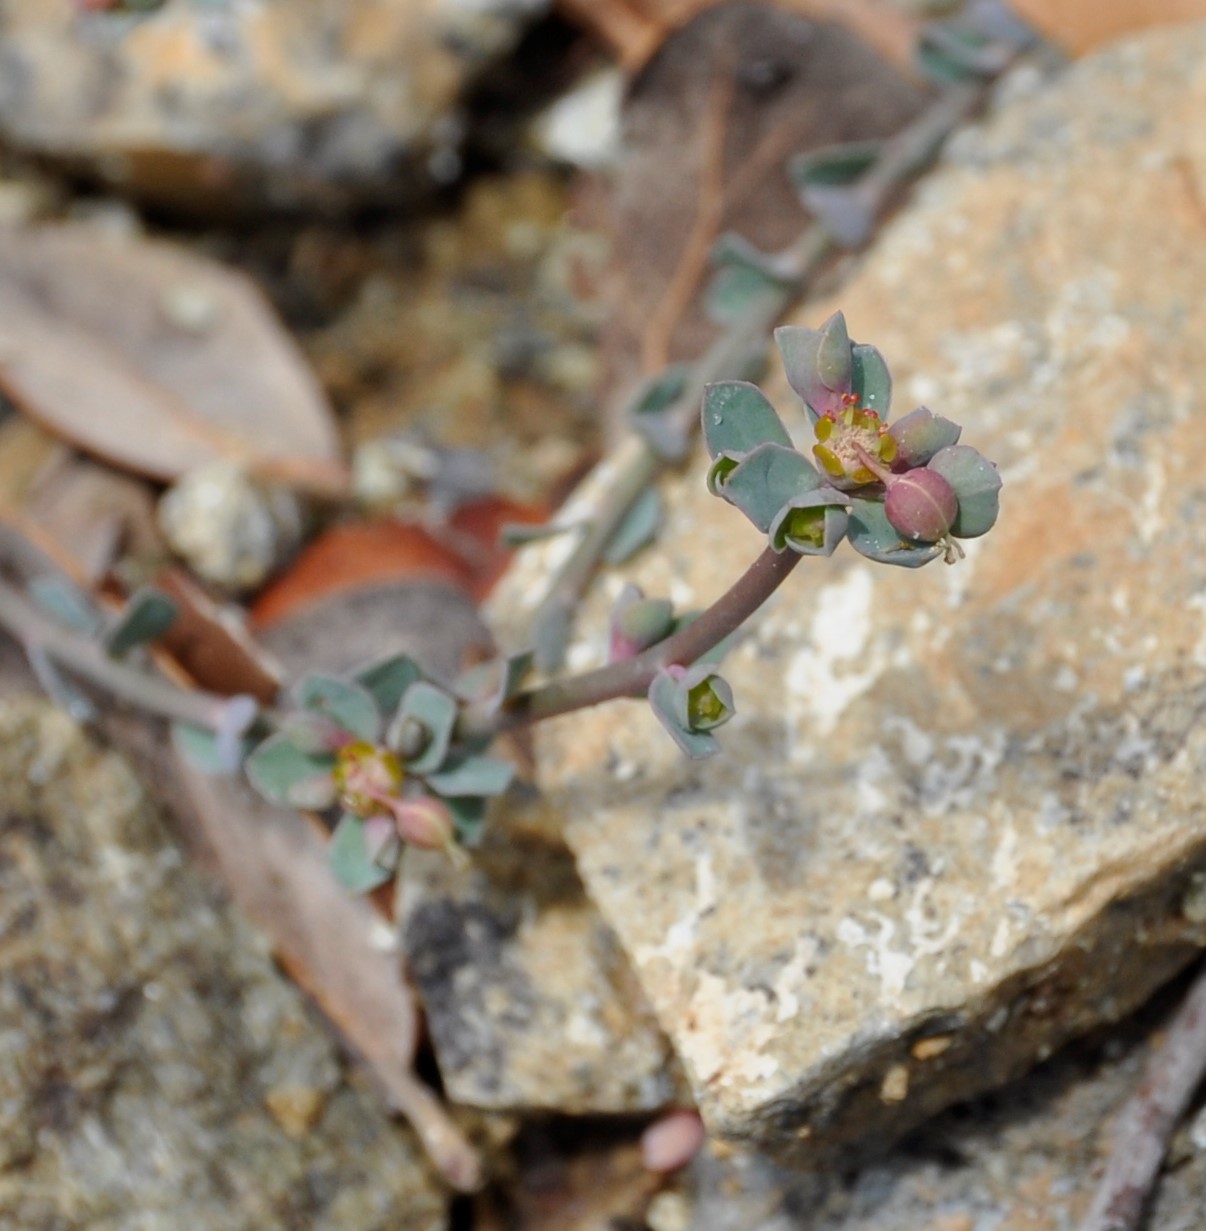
(737, 418)
(286, 775)
(66, 602)
(349, 706)
(472, 776)
(666, 702)
(769, 477)
(638, 528)
(204, 751)
(145, 618)
(872, 535)
(747, 281)
(811, 524)
(352, 860)
(495, 682)
(829, 184)
(977, 485)
(650, 412)
(919, 435)
(435, 710)
(870, 379)
(817, 363)
(388, 679)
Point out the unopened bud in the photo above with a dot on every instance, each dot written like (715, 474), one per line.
(426, 822)
(921, 506)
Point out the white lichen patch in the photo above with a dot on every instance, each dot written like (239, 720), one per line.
(840, 661)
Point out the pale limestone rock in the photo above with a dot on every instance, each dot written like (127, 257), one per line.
(206, 104)
(956, 818)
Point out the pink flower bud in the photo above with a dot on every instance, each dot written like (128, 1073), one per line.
(921, 505)
(425, 822)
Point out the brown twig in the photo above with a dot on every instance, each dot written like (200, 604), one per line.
(1145, 1124)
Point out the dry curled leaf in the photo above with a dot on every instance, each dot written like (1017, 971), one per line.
(635, 29)
(336, 946)
(709, 126)
(154, 359)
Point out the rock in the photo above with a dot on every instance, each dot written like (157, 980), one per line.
(209, 106)
(530, 1001)
(1028, 1158)
(156, 1070)
(958, 815)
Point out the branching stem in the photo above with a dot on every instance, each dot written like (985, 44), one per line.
(632, 676)
(85, 658)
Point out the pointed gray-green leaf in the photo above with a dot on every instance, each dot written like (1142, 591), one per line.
(977, 485)
(284, 774)
(472, 776)
(870, 379)
(351, 860)
(737, 418)
(833, 354)
(349, 706)
(665, 701)
(638, 528)
(492, 683)
(919, 435)
(145, 618)
(435, 710)
(468, 818)
(766, 480)
(811, 524)
(872, 535)
(67, 603)
(387, 680)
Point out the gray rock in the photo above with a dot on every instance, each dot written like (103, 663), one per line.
(156, 1070)
(531, 1002)
(957, 820)
(1027, 1158)
(292, 102)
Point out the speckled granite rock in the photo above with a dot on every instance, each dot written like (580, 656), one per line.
(278, 103)
(959, 814)
(156, 1071)
(531, 1003)
(1025, 1160)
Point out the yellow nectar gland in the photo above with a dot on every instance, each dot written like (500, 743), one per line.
(842, 437)
(365, 775)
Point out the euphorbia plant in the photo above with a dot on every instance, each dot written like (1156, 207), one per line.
(405, 758)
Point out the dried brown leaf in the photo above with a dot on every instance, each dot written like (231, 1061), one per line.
(709, 126)
(635, 29)
(155, 359)
(336, 946)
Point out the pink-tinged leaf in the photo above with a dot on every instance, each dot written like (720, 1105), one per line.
(156, 360)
